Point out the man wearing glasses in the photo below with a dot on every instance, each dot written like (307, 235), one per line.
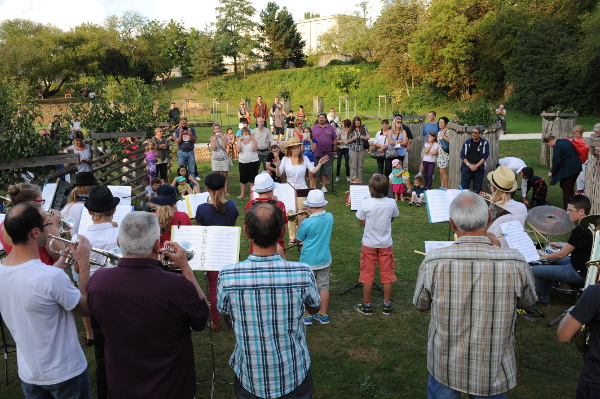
(185, 137)
(474, 152)
(564, 268)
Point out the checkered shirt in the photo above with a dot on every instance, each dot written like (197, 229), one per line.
(473, 289)
(265, 296)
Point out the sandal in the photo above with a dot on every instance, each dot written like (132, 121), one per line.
(227, 194)
(241, 196)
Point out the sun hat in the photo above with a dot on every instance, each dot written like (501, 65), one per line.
(180, 179)
(263, 183)
(503, 179)
(215, 181)
(165, 195)
(85, 179)
(395, 162)
(315, 199)
(101, 199)
(292, 142)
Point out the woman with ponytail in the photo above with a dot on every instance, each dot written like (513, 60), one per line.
(167, 212)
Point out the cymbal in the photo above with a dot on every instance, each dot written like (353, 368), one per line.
(550, 220)
(590, 223)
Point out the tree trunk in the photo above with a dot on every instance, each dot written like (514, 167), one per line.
(234, 65)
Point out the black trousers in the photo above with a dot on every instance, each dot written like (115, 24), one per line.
(101, 386)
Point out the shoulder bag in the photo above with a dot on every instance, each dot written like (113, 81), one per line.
(375, 153)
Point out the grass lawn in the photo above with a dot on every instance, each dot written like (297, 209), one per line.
(383, 357)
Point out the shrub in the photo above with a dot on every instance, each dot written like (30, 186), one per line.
(477, 112)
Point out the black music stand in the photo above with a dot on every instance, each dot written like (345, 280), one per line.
(376, 287)
(5, 349)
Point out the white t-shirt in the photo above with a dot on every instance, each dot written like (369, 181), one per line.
(102, 236)
(518, 212)
(512, 163)
(380, 138)
(36, 302)
(73, 210)
(296, 173)
(378, 214)
(428, 157)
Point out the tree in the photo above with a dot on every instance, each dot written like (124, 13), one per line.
(279, 37)
(206, 60)
(309, 15)
(350, 37)
(348, 79)
(233, 21)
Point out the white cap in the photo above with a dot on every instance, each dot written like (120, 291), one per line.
(315, 199)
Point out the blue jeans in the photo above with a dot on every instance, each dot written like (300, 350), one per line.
(435, 390)
(188, 160)
(586, 393)
(76, 388)
(560, 271)
(466, 175)
(302, 391)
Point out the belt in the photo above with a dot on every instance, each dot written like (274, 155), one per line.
(186, 150)
(266, 149)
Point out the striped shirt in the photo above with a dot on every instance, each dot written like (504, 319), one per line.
(473, 289)
(265, 296)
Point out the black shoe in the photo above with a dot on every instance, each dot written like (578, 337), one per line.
(89, 342)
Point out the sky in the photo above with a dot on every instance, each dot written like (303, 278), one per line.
(67, 14)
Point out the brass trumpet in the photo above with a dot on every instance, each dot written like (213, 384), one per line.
(5, 201)
(189, 252)
(300, 212)
(64, 225)
(111, 258)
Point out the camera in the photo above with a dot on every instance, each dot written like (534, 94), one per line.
(184, 128)
(246, 137)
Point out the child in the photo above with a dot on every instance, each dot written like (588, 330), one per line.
(231, 150)
(418, 194)
(376, 216)
(538, 186)
(430, 150)
(289, 131)
(183, 187)
(271, 168)
(151, 192)
(239, 132)
(315, 232)
(407, 185)
(301, 115)
(397, 180)
(309, 143)
(150, 160)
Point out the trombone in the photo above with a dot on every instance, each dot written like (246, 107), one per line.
(111, 258)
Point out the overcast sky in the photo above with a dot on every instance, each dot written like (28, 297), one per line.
(67, 14)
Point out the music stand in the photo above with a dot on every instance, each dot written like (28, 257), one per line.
(376, 287)
(5, 349)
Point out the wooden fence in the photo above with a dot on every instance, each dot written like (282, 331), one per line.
(561, 126)
(414, 154)
(592, 176)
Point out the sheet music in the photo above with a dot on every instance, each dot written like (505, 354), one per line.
(517, 239)
(358, 193)
(215, 246)
(438, 204)
(123, 192)
(431, 245)
(48, 194)
(193, 201)
(286, 194)
(182, 206)
(86, 219)
(2, 216)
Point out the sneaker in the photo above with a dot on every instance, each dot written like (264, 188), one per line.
(308, 320)
(324, 189)
(347, 179)
(418, 205)
(320, 318)
(337, 179)
(387, 309)
(364, 309)
(411, 203)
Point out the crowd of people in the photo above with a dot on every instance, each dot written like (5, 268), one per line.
(139, 316)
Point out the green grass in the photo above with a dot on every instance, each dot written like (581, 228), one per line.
(385, 354)
(518, 122)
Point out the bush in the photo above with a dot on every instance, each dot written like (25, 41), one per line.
(424, 97)
(477, 112)
(275, 65)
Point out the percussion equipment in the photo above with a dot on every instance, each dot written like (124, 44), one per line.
(111, 258)
(549, 220)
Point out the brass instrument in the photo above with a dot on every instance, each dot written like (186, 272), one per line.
(591, 223)
(111, 258)
(5, 201)
(189, 251)
(64, 225)
(292, 216)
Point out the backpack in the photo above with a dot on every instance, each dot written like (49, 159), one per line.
(581, 148)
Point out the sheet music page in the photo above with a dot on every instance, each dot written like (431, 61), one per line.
(182, 205)
(2, 216)
(438, 206)
(214, 246)
(86, 219)
(123, 192)
(48, 194)
(193, 201)
(431, 245)
(517, 239)
(358, 193)
(286, 194)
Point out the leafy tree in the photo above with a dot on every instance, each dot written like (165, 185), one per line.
(279, 37)
(206, 61)
(348, 79)
(350, 36)
(233, 20)
(309, 15)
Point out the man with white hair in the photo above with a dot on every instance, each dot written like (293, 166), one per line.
(146, 314)
(473, 290)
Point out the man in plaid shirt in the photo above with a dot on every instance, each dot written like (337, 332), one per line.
(265, 296)
(473, 290)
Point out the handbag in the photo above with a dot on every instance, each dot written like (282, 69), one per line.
(378, 154)
(392, 153)
(444, 145)
(366, 145)
(249, 119)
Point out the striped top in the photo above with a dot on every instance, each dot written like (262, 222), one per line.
(266, 296)
(473, 289)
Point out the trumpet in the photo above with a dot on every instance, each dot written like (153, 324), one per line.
(64, 225)
(5, 201)
(167, 262)
(300, 212)
(111, 258)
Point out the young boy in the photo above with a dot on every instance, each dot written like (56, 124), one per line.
(301, 115)
(418, 193)
(239, 132)
(183, 188)
(289, 131)
(376, 216)
(315, 232)
(151, 192)
(538, 186)
(271, 168)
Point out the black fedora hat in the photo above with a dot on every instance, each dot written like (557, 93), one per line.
(85, 179)
(165, 195)
(101, 200)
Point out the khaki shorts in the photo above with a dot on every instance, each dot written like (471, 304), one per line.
(322, 277)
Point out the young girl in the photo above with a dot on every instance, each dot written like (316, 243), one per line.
(418, 194)
(430, 151)
(151, 155)
(309, 144)
(397, 180)
(231, 151)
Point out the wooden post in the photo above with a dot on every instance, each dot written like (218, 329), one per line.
(561, 126)
(415, 123)
(592, 175)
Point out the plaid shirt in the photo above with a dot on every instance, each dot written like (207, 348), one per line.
(265, 296)
(473, 290)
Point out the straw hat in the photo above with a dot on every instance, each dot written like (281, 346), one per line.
(292, 142)
(263, 183)
(503, 179)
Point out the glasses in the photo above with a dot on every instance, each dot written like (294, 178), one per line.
(50, 223)
(398, 121)
(41, 202)
(263, 202)
(572, 210)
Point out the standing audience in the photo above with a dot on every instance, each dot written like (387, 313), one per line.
(358, 136)
(566, 166)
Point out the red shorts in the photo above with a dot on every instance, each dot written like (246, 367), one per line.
(368, 258)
